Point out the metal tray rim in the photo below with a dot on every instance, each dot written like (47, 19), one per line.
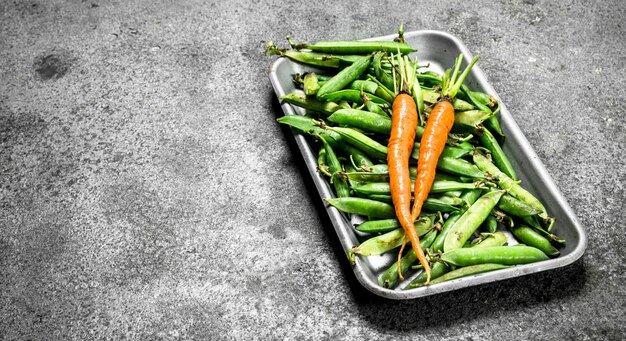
(336, 217)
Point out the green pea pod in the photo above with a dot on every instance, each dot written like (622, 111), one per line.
(381, 75)
(532, 222)
(469, 196)
(361, 119)
(300, 100)
(440, 186)
(468, 271)
(359, 158)
(469, 121)
(507, 255)
(361, 141)
(349, 95)
(422, 225)
(368, 176)
(457, 103)
(532, 238)
(345, 76)
(508, 184)
(367, 86)
(459, 167)
(429, 77)
(448, 151)
(374, 107)
(441, 204)
(380, 244)
(312, 58)
(356, 46)
(342, 189)
(311, 85)
(471, 220)
(490, 224)
(321, 162)
(516, 207)
(372, 88)
(484, 98)
(390, 277)
(363, 206)
(492, 239)
(437, 270)
(499, 158)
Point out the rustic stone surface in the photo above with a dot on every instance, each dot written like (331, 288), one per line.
(147, 192)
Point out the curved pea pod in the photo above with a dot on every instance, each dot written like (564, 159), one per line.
(345, 76)
(349, 95)
(422, 225)
(497, 154)
(508, 184)
(532, 238)
(355, 46)
(532, 222)
(437, 270)
(361, 141)
(459, 167)
(301, 100)
(390, 277)
(468, 271)
(471, 220)
(469, 121)
(378, 245)
(491, 239)
(334, 167)
(363, 206)
(321, 162)
(469, 196)
(362, 119)
(312, 58)
(516, 207)
(507, 255)
(381, 75)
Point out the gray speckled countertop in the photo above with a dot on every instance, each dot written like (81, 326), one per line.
(146, 191)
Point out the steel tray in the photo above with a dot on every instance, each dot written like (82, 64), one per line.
(440, 49)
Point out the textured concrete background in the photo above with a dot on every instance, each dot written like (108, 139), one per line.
(148, 193)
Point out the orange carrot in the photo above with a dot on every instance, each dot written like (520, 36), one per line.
(401, 142)
(435, 135)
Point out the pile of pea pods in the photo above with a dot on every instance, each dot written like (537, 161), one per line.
(476, 205)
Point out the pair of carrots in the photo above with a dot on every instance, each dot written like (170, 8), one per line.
(403, 124)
